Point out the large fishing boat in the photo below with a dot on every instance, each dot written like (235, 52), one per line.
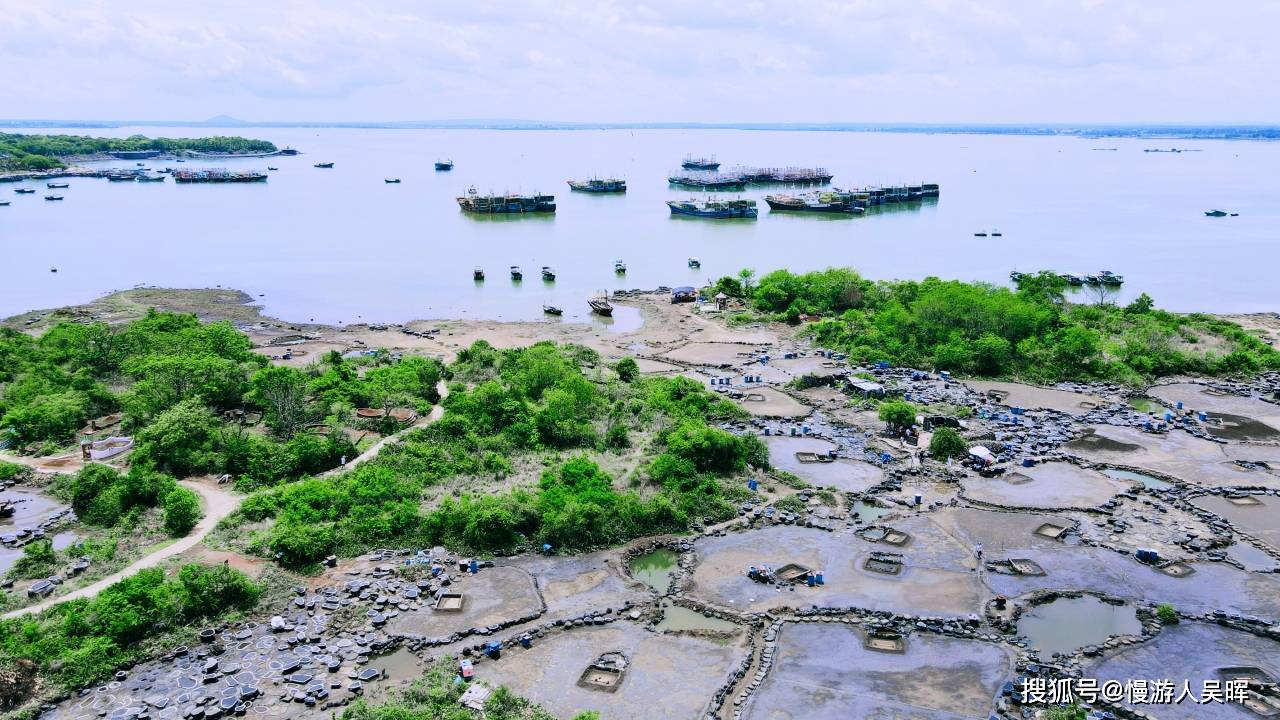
(217, 175)
(709, 181)
(825, 201)
(444, 165)
(600, 305)
(474, 202)
(700, 163)
(596, 185)
(717, 209)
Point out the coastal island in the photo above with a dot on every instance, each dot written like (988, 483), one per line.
(422, 499)
(21, 152)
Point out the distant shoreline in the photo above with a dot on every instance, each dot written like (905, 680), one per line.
(1164, 131)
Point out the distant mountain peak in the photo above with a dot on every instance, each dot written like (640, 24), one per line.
(224, 120)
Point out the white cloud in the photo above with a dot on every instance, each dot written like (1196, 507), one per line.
(703, 60)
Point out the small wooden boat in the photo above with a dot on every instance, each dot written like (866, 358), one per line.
(548, 274)
(391, 181)
(695, 262)
(477, 274)
(981, 233)
(1215, 213)
(1074, 280)
(4, 203)
(516, 273)
(444, 165)
(620, 267)
(138, 164)
(552, 310)
(179, 160)
(996, 233)
(52, 197)
(55, 186)
(150, 178)
(600, 305)
(24, 191)
(272, 168)
(323, 165)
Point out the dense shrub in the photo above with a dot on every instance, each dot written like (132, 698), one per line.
(947, 443)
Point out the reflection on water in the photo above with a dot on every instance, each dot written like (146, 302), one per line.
(654, 568)
(1067, 624)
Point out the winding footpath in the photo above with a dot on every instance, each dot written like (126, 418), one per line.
(219, 502)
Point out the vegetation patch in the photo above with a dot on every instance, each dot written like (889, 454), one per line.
(45, 152)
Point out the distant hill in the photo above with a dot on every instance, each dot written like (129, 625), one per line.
(224, 121)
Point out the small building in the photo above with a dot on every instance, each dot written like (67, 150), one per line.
(722, 301)
(867, 388)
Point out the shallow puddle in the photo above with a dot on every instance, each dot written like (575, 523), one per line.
(1152, 483)
(654, 568)
(1251, 557)
(867, 512)
(1145, 405)
(63, 540)
(675, 617)
(1067, 624)
(399, 666)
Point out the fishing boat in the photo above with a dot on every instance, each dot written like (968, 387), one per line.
(473, 202)
(826, 201)
(150, 178)
(516, 273)
(548, 274)
(323, 165)
(996, 233)
(4, 203)
(695, 262)
(723, 182)
(1074, 280)
(1106, 277)
(1216, 213)
(552, 310)
(52, 197)
(1017, 276)
(55, 186)
(24, 191)
(179, 160)
(596, 185)
(217, 175)
(600, 305)
(138, 164)
(478, 274)
(443, 165)
(391, 181)
(619, 267)
(700, 163)
(272, 169)
(714, 209)
(980, 233)
(122, 177)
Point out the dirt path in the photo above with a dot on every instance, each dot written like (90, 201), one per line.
(218, 503)
(63, 464)
(436, 412)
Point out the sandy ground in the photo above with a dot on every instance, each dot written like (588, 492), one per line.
(1034, 398)
(218, 503)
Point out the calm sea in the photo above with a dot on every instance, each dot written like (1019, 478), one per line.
(342, 245)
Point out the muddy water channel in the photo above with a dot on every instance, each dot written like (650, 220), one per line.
(1067, 624)
(654, 568)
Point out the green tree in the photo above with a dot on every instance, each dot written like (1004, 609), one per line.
(627, 369)
(181, 511)
(282, 392)
(947, 443)
(898, 414)
(183, 440)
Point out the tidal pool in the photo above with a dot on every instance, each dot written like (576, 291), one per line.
(675, 617)
(1067, 624)
(869, 512)
(654, 568)
(1251, 557)
(1151, 483)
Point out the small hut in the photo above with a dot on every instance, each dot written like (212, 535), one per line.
(722, 301)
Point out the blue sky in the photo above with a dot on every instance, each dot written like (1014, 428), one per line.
(944, 61)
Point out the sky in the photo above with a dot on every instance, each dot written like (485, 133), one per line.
(919, 61)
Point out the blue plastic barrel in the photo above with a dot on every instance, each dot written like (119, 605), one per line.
(1179, 405)
(810, 580)
(753, 485)
(473, 567)
(819, 579)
